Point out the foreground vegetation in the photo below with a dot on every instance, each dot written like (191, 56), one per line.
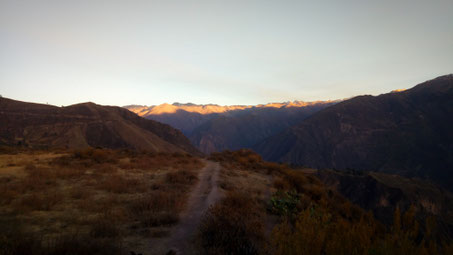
(92, 201)
(98, 201)
(304, 218)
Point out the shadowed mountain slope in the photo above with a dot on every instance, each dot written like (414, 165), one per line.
(383, 193)
(249, 127)
(213, 128)
(185, 117)
(407, 133)
(84, 125)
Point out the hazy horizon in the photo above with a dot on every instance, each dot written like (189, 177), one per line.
(225, 53)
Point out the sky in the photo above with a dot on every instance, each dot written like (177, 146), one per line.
(225, 52)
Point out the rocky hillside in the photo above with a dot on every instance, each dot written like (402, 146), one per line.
(85, 125)
(407, 133)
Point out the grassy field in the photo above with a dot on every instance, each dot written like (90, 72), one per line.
(84, 201)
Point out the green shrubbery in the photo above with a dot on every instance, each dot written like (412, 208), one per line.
(284, 203)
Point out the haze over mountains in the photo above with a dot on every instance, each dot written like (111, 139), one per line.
(213, 128)
(85, 125)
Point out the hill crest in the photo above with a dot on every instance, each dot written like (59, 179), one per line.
(85, 125)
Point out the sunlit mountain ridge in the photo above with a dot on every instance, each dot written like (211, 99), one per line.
(144, 111)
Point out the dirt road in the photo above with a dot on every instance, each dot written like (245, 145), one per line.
(204, 194)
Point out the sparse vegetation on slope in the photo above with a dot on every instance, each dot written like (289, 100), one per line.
(305, 217)
(37, 126)
(92, 201)
(99, 201)
(233, 226)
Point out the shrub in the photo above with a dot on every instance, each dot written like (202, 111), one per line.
(284, 203)
(272, 167)
(80, 192)
(162, 160)
(316, 232)
(13, 240)
(8, 190)
(234, 226)
(39, 201)
(243, 158)
(154, 219)
(30, 167)
(281, 184)
(96, 155)
(156, 208)
(296, 179)
(184, 177)
(69, 173)
(119, 184)
(38, 179)
(103, 227)
(82, 244)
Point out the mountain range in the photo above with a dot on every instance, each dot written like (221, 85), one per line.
(213, 128)
(407, 133)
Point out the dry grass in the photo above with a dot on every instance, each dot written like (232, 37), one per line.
(184, 177)
(255, 183)
(153, 161)
(233, 226)
(117, 183)
(15, 240)
(248, 160)
(78, 192)
(156, 208)
(242, 216)
(98, 197)
(274, 193)
(38, 201)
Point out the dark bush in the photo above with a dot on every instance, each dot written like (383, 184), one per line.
(233, 226)
(181, 177)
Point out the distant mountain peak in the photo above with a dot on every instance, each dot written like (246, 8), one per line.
(166, 108)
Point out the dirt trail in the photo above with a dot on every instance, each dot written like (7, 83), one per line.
(205, 193)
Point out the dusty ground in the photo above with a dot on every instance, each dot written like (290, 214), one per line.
(204, 194)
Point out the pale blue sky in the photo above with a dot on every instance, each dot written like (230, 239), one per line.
(225, 52)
